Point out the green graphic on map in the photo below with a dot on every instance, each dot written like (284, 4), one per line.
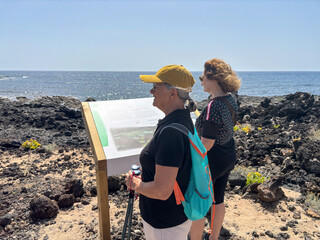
(131, 138)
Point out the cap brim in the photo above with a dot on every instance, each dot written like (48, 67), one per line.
(150, 79)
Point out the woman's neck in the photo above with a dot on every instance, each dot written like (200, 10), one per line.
(172, 107)
(218, 92)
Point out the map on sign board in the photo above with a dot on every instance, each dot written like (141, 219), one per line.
(124, 128)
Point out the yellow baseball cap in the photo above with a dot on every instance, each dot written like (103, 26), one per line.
(175, 75)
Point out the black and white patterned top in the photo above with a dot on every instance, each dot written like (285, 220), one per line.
(217, 123)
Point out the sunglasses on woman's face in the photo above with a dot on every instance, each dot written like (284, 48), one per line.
(156, 86)
(201, 78)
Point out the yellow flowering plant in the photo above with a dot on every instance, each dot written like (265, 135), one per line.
(255, 177)
(296, 139)
(246, 129)
(31, 144)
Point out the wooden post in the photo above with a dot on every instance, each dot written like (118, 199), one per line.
(101, 172)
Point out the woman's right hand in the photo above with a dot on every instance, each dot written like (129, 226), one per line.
(133, 182)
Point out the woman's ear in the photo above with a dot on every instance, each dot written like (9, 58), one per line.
(173, 92)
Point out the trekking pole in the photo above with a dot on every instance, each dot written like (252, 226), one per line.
(128, 220)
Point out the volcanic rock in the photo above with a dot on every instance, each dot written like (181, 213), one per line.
(113, 184)
(236, 179)
(66, 200)
(43, 207)
(75, 186)
(270, 190)
(5, 220)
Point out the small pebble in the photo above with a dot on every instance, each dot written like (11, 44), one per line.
(255, 234)
(297, 215)
(292, 208)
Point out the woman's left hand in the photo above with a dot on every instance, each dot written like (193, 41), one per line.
(133, 182)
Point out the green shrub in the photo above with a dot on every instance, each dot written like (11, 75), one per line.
(241, 170)
(50, 148)
(313, 201)
(314, 135)
(255, 177)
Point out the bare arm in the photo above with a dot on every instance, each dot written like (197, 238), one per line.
(162, 186)
(208, 143)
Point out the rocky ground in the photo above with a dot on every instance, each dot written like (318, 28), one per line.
(50, 193)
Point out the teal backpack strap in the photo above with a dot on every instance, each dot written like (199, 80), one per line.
(178, 127)
(199, 194)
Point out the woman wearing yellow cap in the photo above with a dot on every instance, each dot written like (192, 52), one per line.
(166, 158)
(215, 127)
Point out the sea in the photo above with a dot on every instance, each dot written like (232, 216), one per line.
(107, 85)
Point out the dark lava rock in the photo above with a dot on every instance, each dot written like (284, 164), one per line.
(236, 179)
(252, 188)
(113, 184)
(66, 200)
(11, 171)
(270, 190)
(255, 234)
(265, 103)
(292, 208)
(68, 133)
(90, 99)
(284, 228)
(292, 223)
(75, 186)
(225, 233)
(85, 201)
(41, 119)
(93, 190)
(270, 234)
(43, 207)
(281, 236)
(54, 192)
(313, 166)
(5, 220)
(5, 144)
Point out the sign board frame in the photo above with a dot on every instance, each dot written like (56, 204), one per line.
(101, 167)
(101, 172)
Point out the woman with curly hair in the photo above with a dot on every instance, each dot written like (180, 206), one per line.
(215, 127)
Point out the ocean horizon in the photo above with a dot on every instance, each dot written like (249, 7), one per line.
(112, 85)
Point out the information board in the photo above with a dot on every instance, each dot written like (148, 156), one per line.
(124, 128)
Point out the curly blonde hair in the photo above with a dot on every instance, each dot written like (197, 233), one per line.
(218, 70)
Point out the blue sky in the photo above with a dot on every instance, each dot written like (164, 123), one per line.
(250, 35)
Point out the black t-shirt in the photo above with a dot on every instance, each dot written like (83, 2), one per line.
(170, 148)
(215, 122)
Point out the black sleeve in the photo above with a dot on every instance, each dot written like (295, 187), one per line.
(170, 148)
(210, 129)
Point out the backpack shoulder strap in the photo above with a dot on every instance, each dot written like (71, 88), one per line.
(233, 113)
(178, 127)
(176, 189)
